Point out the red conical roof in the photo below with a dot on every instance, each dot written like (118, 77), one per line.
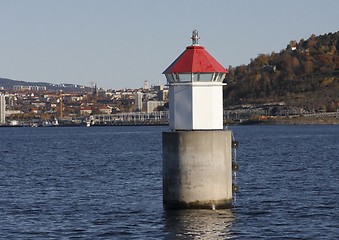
(193, 60)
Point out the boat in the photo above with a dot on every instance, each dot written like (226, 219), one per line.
(54, 123)
(88, 124)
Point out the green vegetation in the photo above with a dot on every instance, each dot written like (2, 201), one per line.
(305, 75)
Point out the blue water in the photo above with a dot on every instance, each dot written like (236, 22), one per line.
(106, 182)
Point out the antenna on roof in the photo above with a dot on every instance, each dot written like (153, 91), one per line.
(195, 38)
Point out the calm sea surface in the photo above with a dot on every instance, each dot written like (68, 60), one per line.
(106, 182)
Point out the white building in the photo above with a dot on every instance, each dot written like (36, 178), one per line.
(2, 109)
(150, 106)
(138, 101)
(29, 88)
(146, 85)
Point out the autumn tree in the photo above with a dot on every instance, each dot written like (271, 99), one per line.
(308, 67)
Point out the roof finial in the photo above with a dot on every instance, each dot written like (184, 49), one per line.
(195, 38)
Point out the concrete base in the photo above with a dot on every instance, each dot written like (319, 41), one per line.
(197, 169)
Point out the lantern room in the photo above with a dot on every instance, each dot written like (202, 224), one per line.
(195, 89)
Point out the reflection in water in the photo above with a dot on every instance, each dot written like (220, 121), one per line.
(198, 224)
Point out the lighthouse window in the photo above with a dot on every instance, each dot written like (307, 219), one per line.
(222, 77)
(195, 77)
(216, 77)
(169, 78)
(185, 77)
(176, 78)
(206, 77)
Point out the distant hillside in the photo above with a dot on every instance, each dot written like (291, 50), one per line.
(9, 83)
(305, 74)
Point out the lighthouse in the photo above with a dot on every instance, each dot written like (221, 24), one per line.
(197, 152)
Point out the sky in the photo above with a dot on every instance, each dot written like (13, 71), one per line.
(121, 43)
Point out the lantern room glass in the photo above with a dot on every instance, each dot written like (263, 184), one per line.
(195, 77)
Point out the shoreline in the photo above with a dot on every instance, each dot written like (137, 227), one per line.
(292, 121)
(255, 121)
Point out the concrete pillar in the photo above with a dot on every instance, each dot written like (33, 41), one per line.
(197, 169)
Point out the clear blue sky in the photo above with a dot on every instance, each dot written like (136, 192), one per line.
(121, 43)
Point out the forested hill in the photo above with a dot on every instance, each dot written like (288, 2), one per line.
(305, 74)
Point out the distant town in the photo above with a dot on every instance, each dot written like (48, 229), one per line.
(75, 105)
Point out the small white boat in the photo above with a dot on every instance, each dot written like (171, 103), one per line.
(54, 123)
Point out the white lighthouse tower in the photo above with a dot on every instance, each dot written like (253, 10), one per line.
(195, 88)
(197, 153)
